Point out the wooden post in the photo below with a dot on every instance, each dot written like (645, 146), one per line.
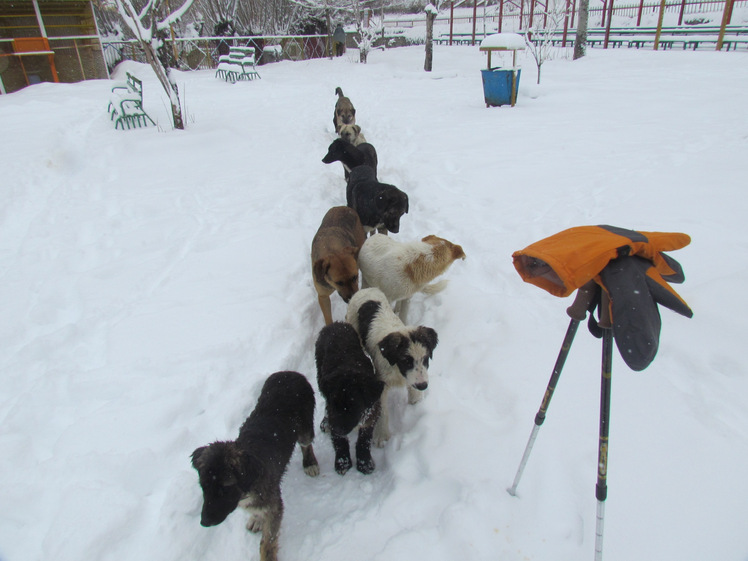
(639, 16)
(430, 15)
(475, 15)
(659, 25)
(566, 23)
(682, 10)
(521, 12)
(573, 12)
(605, 13)
(607, 25)
(452, 20)
(532, 13)
(501, 14)
(725, 19)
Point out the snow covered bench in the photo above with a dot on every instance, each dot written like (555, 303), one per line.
(126, 104)
(239, 64)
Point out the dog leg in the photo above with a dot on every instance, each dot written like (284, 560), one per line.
(270, 531)
(326, 306)
(255, 522)
(364, 461)
(342, 453)
(401, 309)
(324, 426)
(308, 459)
(414, 395)
(382, 428)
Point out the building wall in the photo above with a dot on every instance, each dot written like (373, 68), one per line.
(70, 29)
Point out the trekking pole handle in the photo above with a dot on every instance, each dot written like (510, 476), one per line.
(585, 294)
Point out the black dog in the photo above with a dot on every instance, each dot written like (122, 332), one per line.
(247, 472)
(379, 205)
(351, 156)
(346, 378)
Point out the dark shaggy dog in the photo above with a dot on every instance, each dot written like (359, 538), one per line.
(247, 472)
(400, 353)
(351, 156)
(345, 113)
(379, 205)
(346, 378)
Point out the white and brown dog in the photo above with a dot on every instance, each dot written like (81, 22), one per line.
(352, 134)
(400, 353)
(400, 269)
(345, 113)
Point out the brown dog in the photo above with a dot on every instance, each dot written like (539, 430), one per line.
(345, 113)
(335, 256)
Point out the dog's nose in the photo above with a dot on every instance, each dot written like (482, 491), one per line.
(422, 386)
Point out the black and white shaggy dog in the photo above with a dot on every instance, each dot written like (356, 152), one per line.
(379, 205)
(400, 353)
(247, 472)
(352, 390)
(351, 156)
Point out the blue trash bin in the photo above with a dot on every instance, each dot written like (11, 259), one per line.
(497, 86)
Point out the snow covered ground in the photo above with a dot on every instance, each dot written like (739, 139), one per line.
(152, 279)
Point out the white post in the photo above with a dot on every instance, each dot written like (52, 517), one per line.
(39, 18)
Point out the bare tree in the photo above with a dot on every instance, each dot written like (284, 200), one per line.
(431, 13)
(540, 37)
(149, 22)
(580, 43)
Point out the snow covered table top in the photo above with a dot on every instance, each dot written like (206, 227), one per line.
(503, 42)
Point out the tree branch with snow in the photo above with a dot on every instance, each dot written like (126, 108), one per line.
(154, 17)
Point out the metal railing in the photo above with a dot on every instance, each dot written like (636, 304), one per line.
(202, 53)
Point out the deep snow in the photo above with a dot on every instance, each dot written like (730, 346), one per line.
(152, 279)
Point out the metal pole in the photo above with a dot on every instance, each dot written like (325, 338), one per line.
(601, 489)
(577, 311)
(540, 416)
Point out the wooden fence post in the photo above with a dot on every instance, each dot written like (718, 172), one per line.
(725, 19)
(607, 25)
(659, 25)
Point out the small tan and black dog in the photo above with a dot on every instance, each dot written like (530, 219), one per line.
(352, 134)
(247, 472)
(345, 113)
(335, 256)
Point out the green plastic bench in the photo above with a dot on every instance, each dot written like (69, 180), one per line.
(239, 64)
(126, 105)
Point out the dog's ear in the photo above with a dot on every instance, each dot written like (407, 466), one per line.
(320, 268)
(196, 458)
(406, 203)
(357, 129)
(427, 337)
(392, 347)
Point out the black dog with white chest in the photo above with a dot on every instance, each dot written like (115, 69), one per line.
(352, 390)
(379, 205)
(351, 156)
(247, 472)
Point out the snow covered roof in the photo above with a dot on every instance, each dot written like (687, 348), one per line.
(509, 41)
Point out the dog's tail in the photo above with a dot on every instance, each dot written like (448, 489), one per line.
(339, 91)
(435, 287)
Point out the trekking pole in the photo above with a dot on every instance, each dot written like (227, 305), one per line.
(577, 311)
(601, 489)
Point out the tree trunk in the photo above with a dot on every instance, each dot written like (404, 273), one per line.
(427, 65)
(169, 87)
(580, 43)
